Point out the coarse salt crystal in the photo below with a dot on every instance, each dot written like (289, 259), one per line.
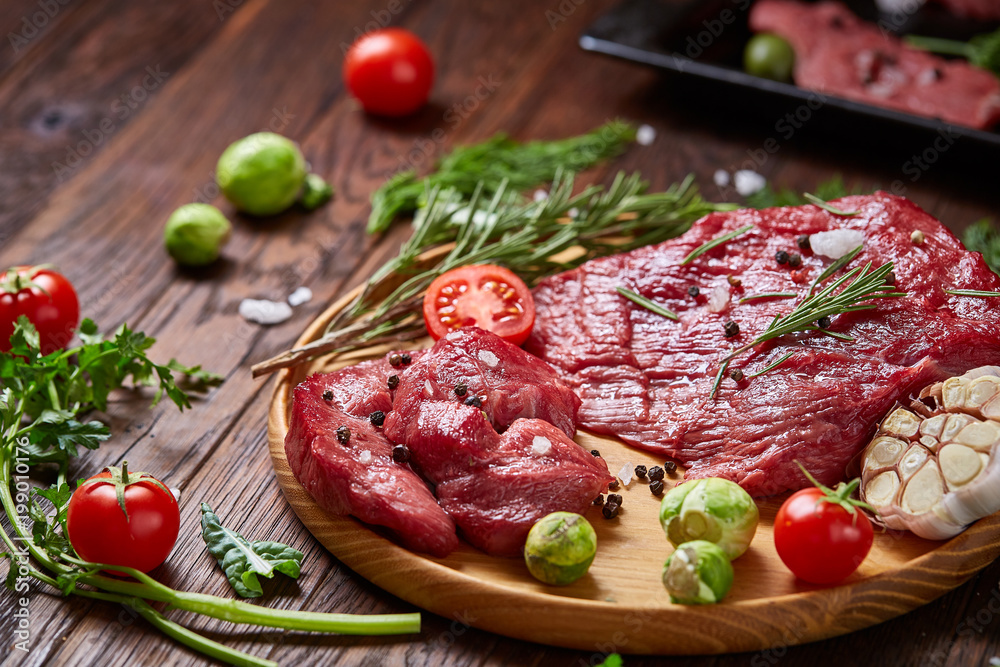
(748, 182)
(625, 474)
(428, 388)
(541, 195)
(364, 457)
(488, 358)
(836, 243)
(718, 300)
(721, 177)
(645, 135)
(263, 311)
(540, 445)
(300, 296)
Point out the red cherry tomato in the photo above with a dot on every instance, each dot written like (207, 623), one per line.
(44, 297)
(820, 541)
(100, 531)
(389, 71)
(483, 295)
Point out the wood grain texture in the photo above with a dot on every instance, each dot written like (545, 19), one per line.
(621, 599)
(230, 73)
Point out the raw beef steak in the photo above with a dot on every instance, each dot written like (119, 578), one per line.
(648, 379)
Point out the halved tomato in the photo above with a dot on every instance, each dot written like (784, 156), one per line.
(483, 295)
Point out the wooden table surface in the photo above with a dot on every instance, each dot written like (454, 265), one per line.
(113, 113)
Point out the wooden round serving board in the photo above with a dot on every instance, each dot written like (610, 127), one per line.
(621, 605)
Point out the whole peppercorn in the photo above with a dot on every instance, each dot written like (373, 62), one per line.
(377, 418)
(731, 329)
(474, 401)
(734, 281)
(599, 500)
(693, 291)
(328, 395)
(795, 260)
(461, 389)
(803, 242)
(405, 358)
(656, 487)
(343, 435)
(615, 498)
(781, 257)
(596, 453)
(393, 381)
(395, 361)
(400, 453)
(890, 278)
(610, 510)
(655, 473)
(613, 485)
(823, 322)
(640, 472)
(737, 375)
(669, 467)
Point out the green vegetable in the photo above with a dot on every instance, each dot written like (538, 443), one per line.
(711, 509)
(768, 197)
(697, 572)
(613, 660)
(484, 167)
(261, 174)
(315, 192)
(983, 237)
(982, 50)
(242, 561)
(560, 548)
(43, 404)
(195, 234)
(769, 56)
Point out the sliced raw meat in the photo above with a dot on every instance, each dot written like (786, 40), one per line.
(838, 53)
(648, 379)
(978, 9)
(359, 477)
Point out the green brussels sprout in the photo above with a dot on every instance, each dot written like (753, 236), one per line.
(315, 192)
(195, 233)
(697, 572)
(560, 548)
(261, 174)
(712, 509)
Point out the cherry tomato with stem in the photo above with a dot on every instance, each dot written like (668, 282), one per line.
(821, 534)
(118, 517)
(484, 295)
(389, 71)
(46, 298)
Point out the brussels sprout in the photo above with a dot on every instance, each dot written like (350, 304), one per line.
(261, 174)
(195, 233)
(560, 548)
(710, 509)
(315, 192)
(698, 572)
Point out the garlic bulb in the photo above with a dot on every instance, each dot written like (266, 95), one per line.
(935, 468)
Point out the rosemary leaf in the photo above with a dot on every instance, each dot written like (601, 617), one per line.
(649, 305)
(836, 266)
(971, 292)
(816, 201)
(708, 245)
(769, 295)
(770, 367)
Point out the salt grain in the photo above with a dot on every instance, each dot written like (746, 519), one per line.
(176, 493)
(300, 296)
(263, 311)
(718, 300)
(364, 457)
(541, 195)
(428, 388)
(488, 358)
(625, 474)
(836, 243)
(645, 135)
(540, 445)
(721, 177)
(748, 182)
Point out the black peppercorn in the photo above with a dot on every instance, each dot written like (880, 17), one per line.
(731, 329)
(615, 498)
(803, 242)
(377, 418)
(405, 358)
(640, 472)
(823, 322)
(795, 260)
(656, 487)
(610, 510)
(890, 278)
(328, 395)
(737, 375)
(474, 401)
(596, 453)
(461, 389)
(393, 381)
(400, 453)
(655, 473)
(395, 361)
(613, 485)
(693, 291)
(781, 257)
(343, 435)
(669, 467)
(599, 500)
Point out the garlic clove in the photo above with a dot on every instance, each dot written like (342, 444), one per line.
(979, 435)
(953, 393)
(924, 490)
(901, 422)
(881, 490)
(959, 464)
(932, 427)
(912, 461)
(885, 451)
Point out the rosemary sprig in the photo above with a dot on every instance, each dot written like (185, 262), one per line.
(708, 245)
(503, 228)
(971, 292)
(771, 366)
(769, 295)
(496, 161)
(816, 201)
(851, 292)
(837, 265)
(649, 305)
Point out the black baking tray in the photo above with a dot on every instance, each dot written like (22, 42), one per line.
(703, 41)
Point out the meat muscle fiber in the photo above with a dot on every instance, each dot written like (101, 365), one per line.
(648, 379)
